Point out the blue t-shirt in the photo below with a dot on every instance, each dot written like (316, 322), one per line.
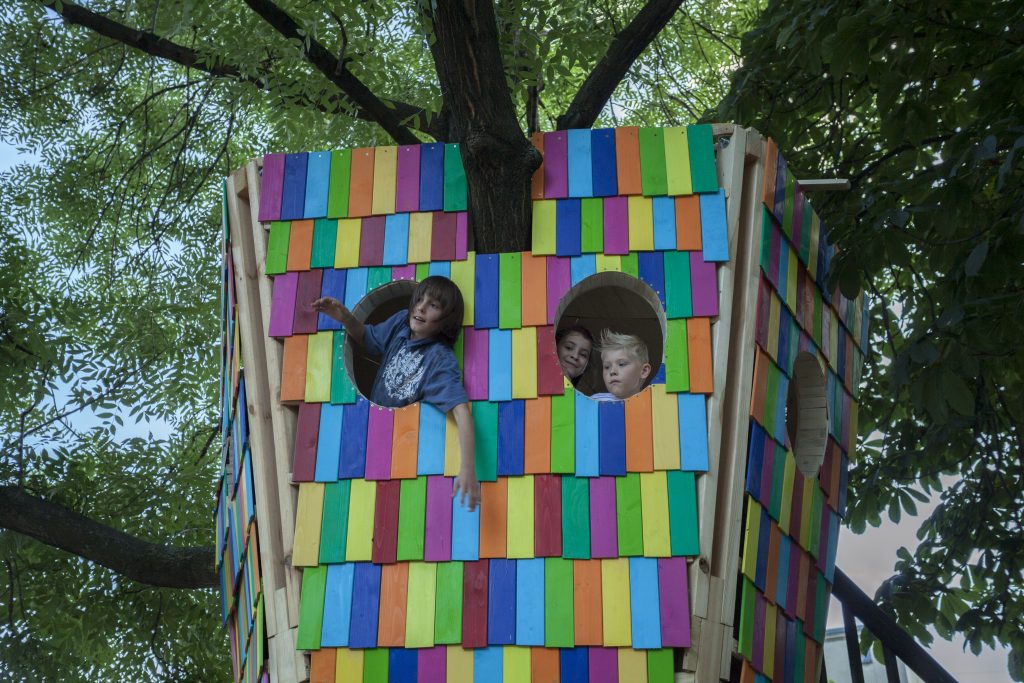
(412, 369)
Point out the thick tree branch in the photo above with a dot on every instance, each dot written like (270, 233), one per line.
(142, 561)
(156, 46)
(150, 43)
(498, 159)
(335, 71)
(609, 72)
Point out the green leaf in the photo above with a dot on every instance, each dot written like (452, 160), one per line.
(1015, 664)
(986, 148)
(908, 503)
(894, 514)
(958, 394)
(976, 259)
(934, 401)
(924, 352)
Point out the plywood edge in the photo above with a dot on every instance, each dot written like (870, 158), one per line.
(730, 177)
(282, 418)
(704, 585)
(742, 353)
(723, 129)
(291, 665)
(261, 446)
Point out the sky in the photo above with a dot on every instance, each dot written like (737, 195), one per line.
(8, 156)
(867, 559)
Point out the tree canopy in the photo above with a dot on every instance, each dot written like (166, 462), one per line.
(132, 112)
(109, 268)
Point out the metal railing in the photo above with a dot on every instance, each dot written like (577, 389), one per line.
(896, 643)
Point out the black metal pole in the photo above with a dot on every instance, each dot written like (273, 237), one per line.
(886, 629)
(852, 645)
(892, 667)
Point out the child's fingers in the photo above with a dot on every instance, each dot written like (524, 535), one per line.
(328, 305)
(469, 497)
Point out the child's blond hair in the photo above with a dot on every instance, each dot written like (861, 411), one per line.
(610, 340)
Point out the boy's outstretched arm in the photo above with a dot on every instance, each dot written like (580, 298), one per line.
(333, 308)
(466, 485)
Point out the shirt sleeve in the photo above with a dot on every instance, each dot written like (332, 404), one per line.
(377, 337)
(442, 383)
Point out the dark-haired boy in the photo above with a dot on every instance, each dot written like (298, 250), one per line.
(417, 362)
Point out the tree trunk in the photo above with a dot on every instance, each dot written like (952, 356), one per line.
(498, 159)
(498, 177)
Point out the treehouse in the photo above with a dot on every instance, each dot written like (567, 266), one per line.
(686, 533)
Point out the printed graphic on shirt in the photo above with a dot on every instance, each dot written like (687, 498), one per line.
(403, 375)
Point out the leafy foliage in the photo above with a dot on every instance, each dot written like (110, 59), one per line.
(922, 107)
(553, 45)
(109, 265)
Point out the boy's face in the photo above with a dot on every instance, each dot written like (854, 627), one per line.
(574, 354)
(624, 375)
(425, 318)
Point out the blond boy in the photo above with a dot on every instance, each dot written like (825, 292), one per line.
(624, 365)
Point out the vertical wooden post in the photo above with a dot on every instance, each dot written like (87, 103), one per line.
(272, 425)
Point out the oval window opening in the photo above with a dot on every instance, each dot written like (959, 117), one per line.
(807, 413)
(607, 301)
(374, 308)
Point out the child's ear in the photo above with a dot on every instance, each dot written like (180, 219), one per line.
(645, 371)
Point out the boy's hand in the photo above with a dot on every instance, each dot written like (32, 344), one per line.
(467, 488)
(330, 307)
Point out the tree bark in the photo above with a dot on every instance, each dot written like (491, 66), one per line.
(612, 68)
(498, 159)
(150, 563)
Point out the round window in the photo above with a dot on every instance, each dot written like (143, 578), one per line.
(807, 413)
(375, 307)
(609, 302)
